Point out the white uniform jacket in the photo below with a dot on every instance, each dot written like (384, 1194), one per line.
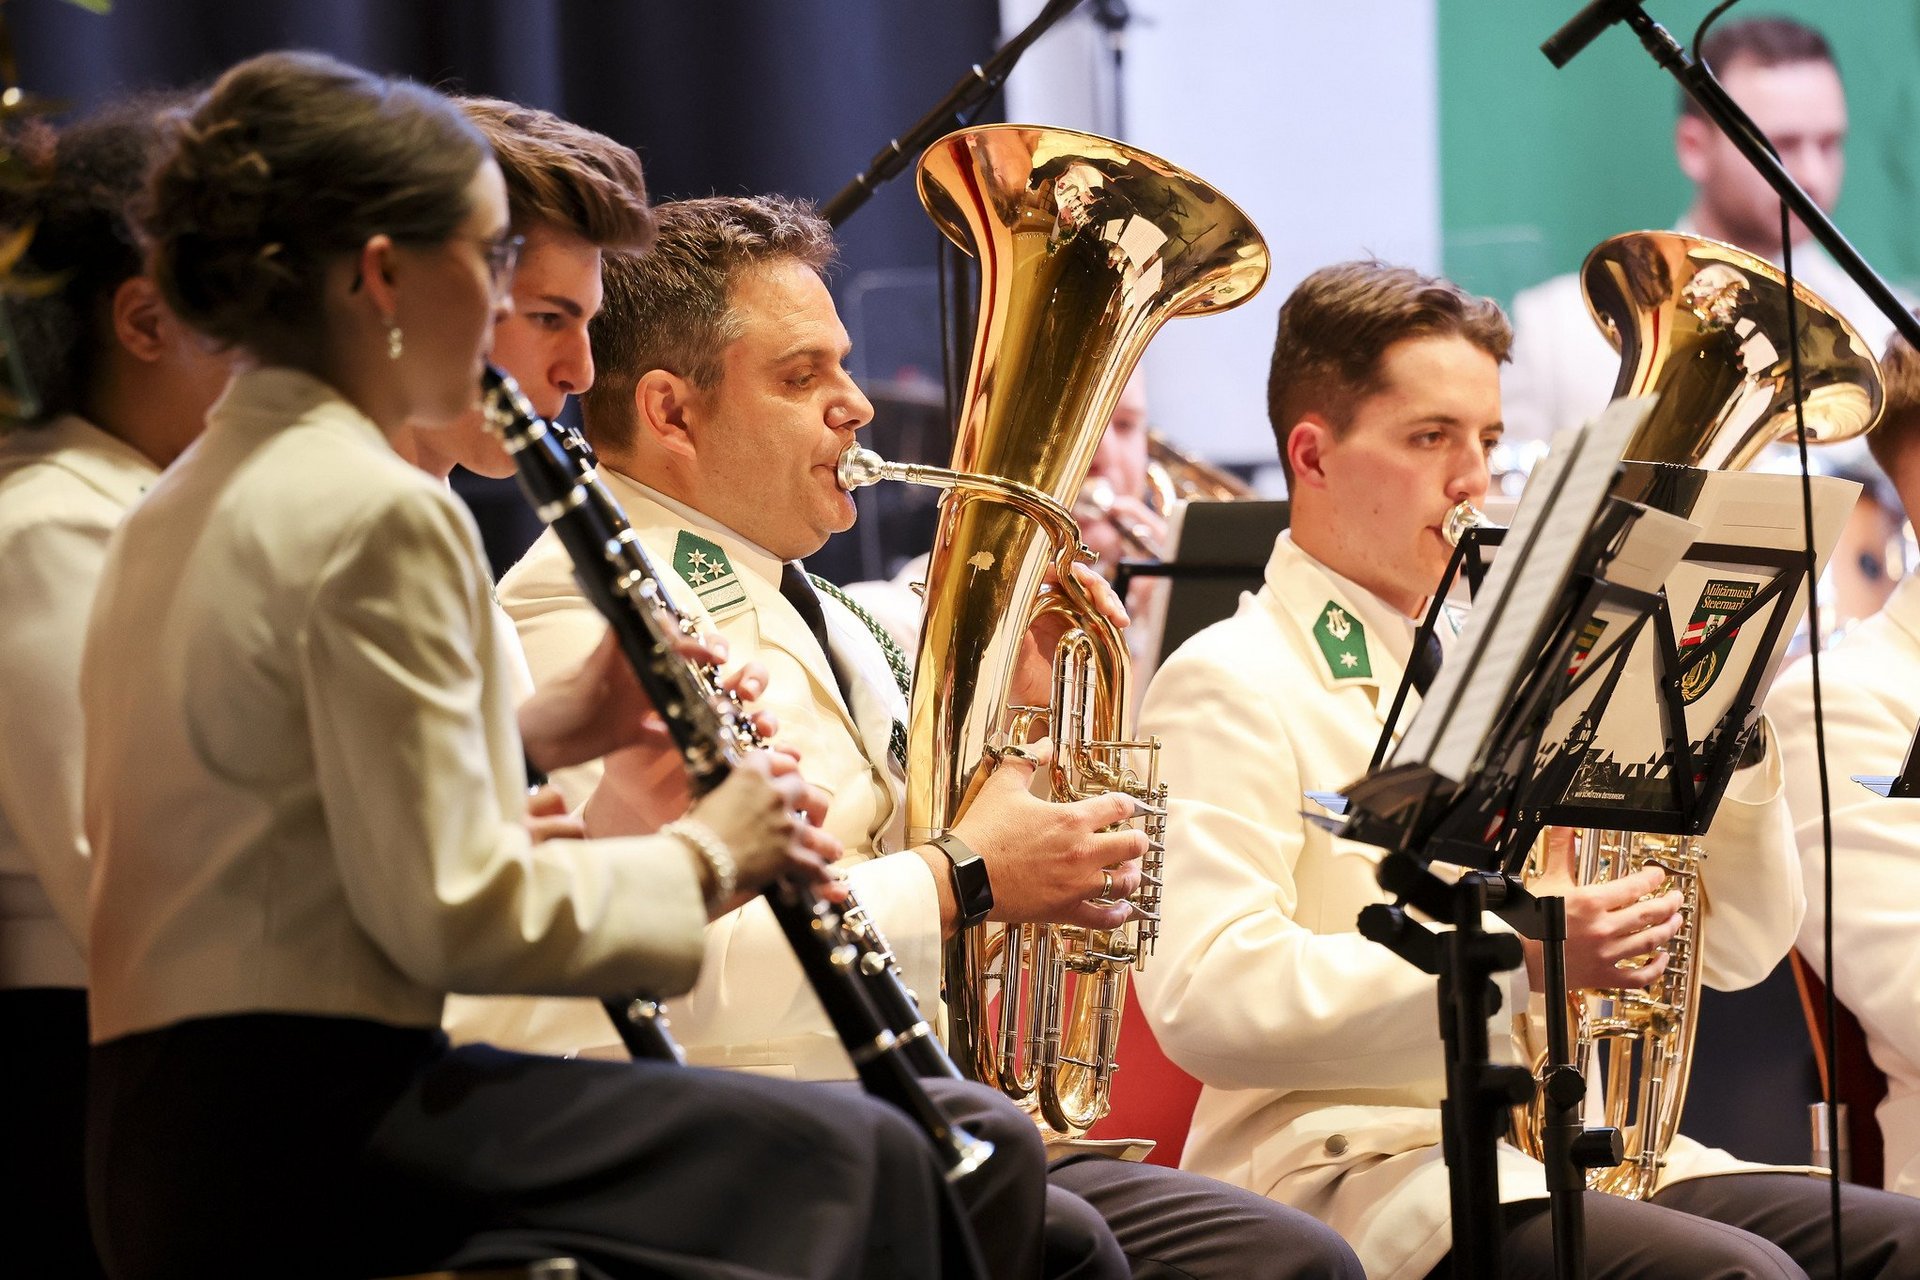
(1320, 1050)
(1870, 685)
(752, 1006)
(63, 489)
(1563, 369)
(304, 779)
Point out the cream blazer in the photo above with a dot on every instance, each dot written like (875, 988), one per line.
(752, 1006)
(304, 779)
(1871, 693)
(1320, 1050)
(63, 489)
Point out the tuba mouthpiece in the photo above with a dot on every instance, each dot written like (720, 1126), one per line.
(859, 467)
(1462, 517)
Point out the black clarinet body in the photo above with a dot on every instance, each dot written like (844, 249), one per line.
(842, 954)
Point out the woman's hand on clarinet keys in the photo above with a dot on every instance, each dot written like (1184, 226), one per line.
(768, 819)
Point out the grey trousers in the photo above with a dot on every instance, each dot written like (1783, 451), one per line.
(1740, 1226)
(1113, 1219)
(1170, 1223)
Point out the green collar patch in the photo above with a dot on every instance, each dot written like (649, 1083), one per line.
(707, 570)
(1343, 643)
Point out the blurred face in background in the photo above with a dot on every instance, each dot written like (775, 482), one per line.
(1802, 109)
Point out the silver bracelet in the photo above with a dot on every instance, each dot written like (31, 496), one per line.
(713, 851)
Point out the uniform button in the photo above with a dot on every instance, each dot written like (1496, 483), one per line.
(1337, 1145)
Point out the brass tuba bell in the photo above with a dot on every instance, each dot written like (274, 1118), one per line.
(1702, 325)
(1086, 247)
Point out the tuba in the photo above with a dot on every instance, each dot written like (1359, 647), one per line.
(1703, 326)
(1085, 247)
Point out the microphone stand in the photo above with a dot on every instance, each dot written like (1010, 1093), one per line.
(968, 93)
(1700, 85)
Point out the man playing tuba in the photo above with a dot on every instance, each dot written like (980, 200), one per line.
(1320, 1049)
(721, 404)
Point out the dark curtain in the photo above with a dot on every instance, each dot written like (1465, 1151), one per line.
(717, 96)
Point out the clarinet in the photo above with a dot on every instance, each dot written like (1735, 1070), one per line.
(847, 964)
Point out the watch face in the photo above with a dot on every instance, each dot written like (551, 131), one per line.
(972, 888)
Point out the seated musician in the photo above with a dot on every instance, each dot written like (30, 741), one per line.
(1320, 1050)
(721, 405)
(305, 781)
(119, 387)
(1870, 695)
(572, 194)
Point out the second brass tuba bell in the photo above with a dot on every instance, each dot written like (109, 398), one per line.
(1085, 248)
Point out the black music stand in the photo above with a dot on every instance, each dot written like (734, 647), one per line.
(1520, 736)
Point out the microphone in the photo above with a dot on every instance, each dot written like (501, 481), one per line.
(1564, 45)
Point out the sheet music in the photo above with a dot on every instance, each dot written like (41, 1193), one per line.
(1622, 750)
(1501, 636)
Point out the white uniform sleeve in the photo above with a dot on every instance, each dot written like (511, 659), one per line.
(1876, 969)
(421, 791)
(47, 576)
(1751, 879)
(1251, 986)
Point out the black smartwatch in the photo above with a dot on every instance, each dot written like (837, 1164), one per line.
(972, 889)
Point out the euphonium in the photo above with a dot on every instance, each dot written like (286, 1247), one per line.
(1703, 326)
(1085, 248)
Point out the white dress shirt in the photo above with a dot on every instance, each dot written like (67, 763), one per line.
(63, 488)
(1320, 1050)
(304, 784)
(1870, 687)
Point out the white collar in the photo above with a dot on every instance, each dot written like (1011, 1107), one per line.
(757, 557)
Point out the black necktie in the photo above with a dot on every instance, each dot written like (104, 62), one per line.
(800, 594)
(1425, 663)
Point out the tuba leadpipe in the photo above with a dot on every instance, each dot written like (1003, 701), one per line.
(841, 952)
(1085, 247)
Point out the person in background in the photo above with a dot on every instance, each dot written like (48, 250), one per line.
(116, 387)
(1783, 74)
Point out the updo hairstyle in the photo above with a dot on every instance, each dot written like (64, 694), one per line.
(291, 160)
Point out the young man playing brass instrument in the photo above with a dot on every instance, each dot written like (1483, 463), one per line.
(721, 408)
(1320, 1049)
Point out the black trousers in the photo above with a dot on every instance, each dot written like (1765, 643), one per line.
(301, 1146)
(43, 1059)
(1112, 1219)
(1737, 1226)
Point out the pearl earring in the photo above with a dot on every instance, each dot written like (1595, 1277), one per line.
(393, 341)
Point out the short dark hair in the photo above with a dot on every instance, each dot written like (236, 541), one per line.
(1899, 426)
(291, 160)
(569, 178)
(670, 307)
(83, 246)
(1763, 42)
(1340, 320)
